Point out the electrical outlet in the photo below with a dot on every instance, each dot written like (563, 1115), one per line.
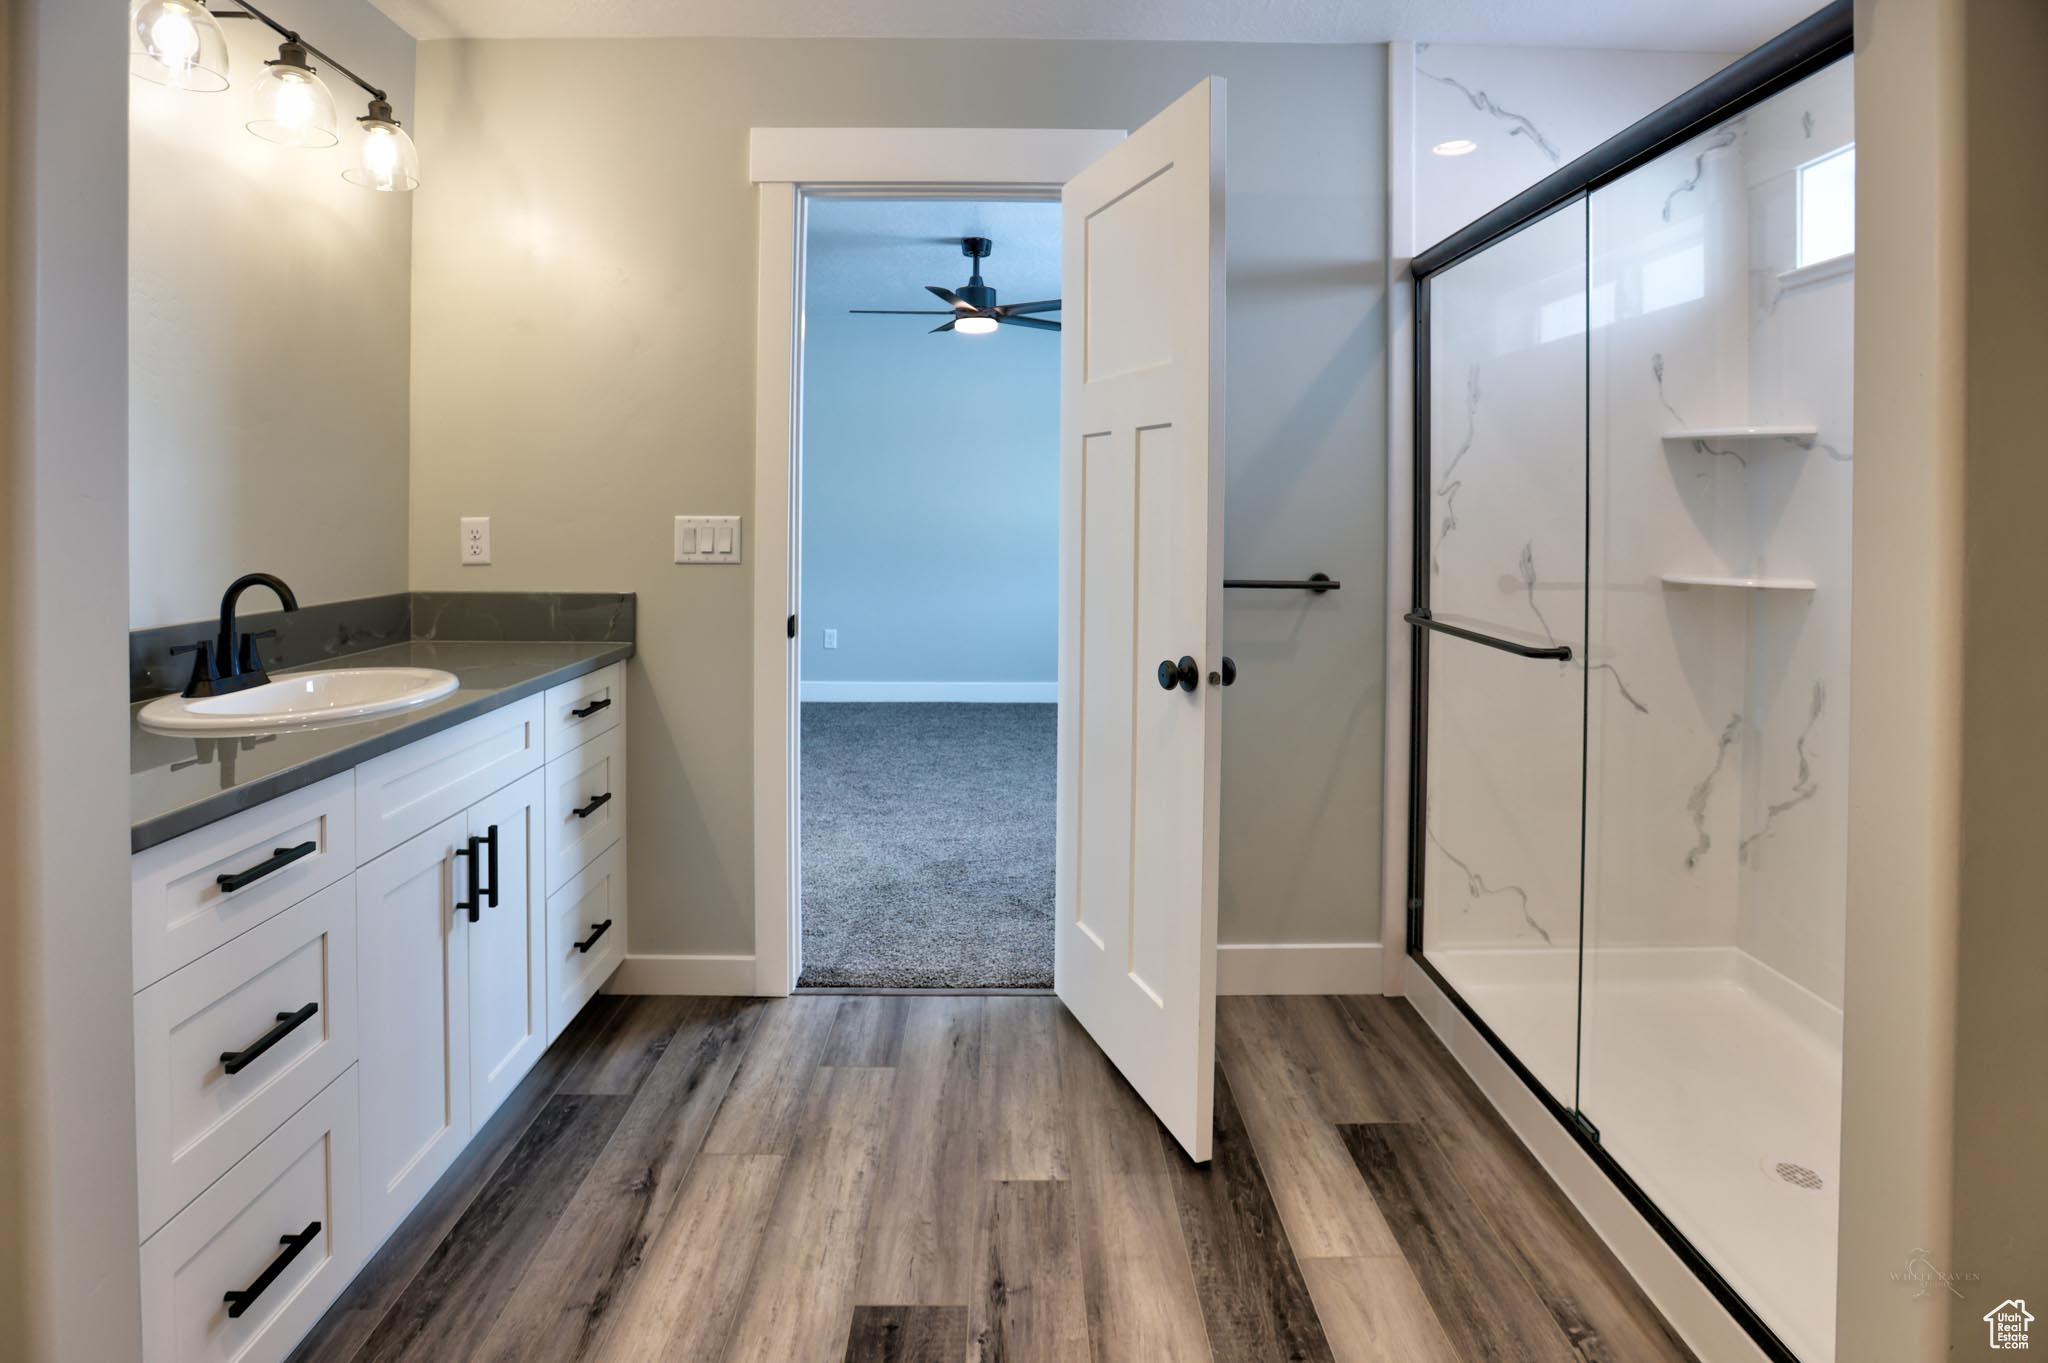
(707, 539)
(831, 638)
(476, 541)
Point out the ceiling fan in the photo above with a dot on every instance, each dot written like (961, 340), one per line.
(973, 309)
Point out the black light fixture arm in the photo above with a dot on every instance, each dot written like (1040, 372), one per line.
(249, 11)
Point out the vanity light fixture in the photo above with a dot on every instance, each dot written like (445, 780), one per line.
(182, 45)
(1457, 146)
(292, 105)
(383, 156)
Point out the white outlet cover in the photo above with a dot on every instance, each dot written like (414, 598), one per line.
(831, 638)
(475, 547)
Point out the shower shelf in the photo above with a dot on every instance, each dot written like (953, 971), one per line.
(1744, 433)
(1759, 584)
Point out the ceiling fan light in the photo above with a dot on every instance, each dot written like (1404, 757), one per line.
(291, 105)
(181, 45)
(975, 326)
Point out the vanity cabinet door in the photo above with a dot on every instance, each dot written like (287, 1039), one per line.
(507, 947)
(412, 952)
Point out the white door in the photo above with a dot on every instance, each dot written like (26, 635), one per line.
(507, 953)
(412, 977)
(1141, 543)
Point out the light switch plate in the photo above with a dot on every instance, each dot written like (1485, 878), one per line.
(707, 539)
(831, 638)
(476, 541)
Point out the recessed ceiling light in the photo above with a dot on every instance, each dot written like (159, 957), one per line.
(1457, 146)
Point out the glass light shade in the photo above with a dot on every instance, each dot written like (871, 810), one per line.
(383, 157)
(293, 106)
(182, 45)
(975, 326)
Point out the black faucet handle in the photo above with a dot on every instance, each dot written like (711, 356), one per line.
(248, 660)
(204, 674)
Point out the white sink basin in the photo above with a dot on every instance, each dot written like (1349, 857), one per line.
(301, 699)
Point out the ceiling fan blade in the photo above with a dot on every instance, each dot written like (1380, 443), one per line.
(1021, 309)
(1035, 323)
(960, 305)
(904, 312)
(944, 326)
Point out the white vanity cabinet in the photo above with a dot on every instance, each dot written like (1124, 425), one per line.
(337, 988)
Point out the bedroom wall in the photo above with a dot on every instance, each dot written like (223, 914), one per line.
(583, 372)
(930, 462)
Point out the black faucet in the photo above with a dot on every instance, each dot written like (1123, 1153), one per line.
(233, 663)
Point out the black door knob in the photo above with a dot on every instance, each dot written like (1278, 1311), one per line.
(1226, 676)
(1183, 674)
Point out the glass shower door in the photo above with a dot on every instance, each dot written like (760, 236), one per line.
(1504, 720)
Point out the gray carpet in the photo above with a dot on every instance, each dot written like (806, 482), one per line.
(928, 845)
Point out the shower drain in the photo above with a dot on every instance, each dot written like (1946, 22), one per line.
(1798, 1175)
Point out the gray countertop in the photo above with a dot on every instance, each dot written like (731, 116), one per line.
(177, 783)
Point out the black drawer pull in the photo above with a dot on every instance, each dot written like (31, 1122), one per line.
(587, 943)
(238, 1302)
(597, 802)
(473, 904)
(491, 860)
(277, 861)
(234, 1062)
(587, 711)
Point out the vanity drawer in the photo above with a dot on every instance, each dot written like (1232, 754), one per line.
(282, 1224)
(594, 897)
(269, 857)
(409, 790)
(281, 998)
(586, 804)
(582, 709)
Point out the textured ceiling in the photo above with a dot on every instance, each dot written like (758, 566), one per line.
(1651, 25)
(880, 253)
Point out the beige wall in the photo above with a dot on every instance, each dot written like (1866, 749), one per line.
(269, 321)
(67, 1160)
(583, 339)
(2001, 1056)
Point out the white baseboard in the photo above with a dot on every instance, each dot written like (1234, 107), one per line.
(683, 975)
(1298, 968)
(982, 693)
(1700, 1320)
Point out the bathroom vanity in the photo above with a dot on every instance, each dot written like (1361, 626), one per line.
(349, 946)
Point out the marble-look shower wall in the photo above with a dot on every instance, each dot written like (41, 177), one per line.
(1715, 811)
(1715, 716)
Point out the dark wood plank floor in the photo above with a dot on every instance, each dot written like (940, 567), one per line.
(934, 1179)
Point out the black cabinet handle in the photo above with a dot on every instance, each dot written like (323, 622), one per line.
(234, 1062)
(597, 802)
(277, 861)
(238, 1302)
(595, 933)
(472, 905)
(1184, 674)
(587, 711)
(491, 855)
(1226, 676)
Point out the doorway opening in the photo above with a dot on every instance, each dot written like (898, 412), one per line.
(927, 565)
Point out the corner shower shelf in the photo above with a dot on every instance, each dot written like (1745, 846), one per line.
(1758, 584)
(1744, 433)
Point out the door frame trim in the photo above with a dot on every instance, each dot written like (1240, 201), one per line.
(787, 165)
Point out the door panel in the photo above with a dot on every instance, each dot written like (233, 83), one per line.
(507, 962)
(1505, 745)
(1141, 519)
(413, 978)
